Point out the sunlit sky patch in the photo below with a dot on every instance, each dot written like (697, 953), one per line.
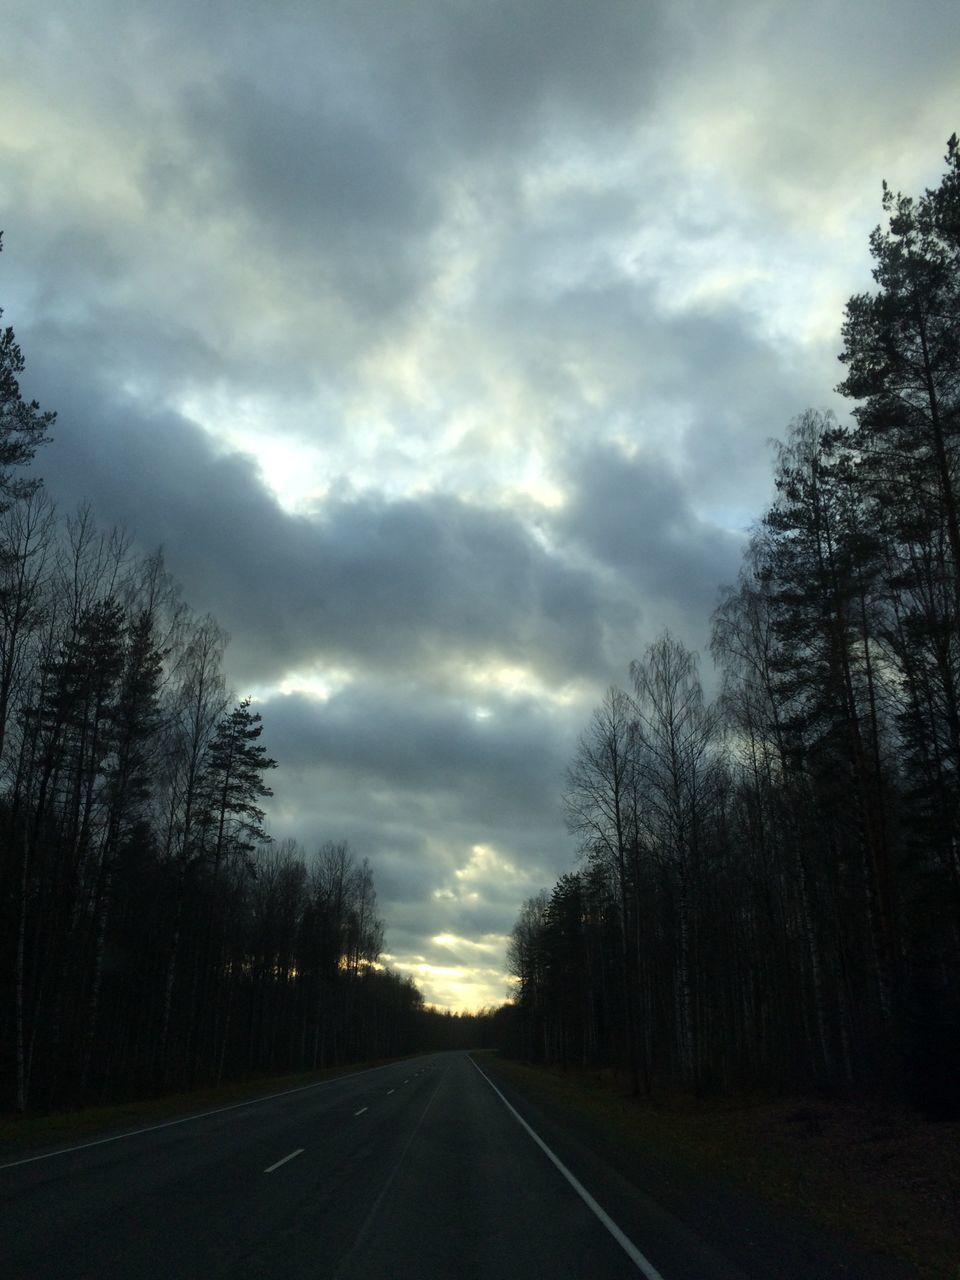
(439, 346)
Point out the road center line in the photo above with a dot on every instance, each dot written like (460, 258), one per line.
(625, 1243)
(360, 1112)
(292, 1156)
(375, 1207)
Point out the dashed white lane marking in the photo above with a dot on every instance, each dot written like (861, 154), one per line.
(360, 1112)
(375, 1207)
(292, 1156)
(389, 1091)
(625, 1243)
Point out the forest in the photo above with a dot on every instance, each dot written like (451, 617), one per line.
(152, 938)
(769, 887)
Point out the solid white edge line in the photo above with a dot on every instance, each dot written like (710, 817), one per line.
(293, 1154)
(200, 1115)
(624, 1241)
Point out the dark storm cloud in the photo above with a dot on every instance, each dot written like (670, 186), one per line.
(421, 833)
(333, 131)
(452, 72)
(320, 185)
(410, 744)
(317, 167)
(633, 514)
(505, 71)
(496, 767)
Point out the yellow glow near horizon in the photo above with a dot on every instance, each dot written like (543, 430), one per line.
(459, 988)
(474, 976)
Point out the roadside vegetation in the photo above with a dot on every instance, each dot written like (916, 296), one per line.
(769, 892)
(885, 1180)
(152, 938)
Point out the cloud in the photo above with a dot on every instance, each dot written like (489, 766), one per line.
(405, 584)
(631, 512)
(411, 771)
(319, 186)
(822, 103)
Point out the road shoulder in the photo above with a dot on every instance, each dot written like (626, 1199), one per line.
(623, 1145)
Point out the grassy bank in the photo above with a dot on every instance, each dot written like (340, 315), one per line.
(889, 1180)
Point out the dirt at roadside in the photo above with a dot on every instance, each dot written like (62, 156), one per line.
(887, 1181)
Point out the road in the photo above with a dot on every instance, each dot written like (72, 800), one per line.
(411, 1171)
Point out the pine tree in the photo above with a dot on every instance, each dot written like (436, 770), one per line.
(233, 769)
(23, 425)
(902, 351)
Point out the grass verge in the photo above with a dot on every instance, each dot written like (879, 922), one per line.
(888, 1180)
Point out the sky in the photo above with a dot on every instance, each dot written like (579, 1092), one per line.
(440, 345)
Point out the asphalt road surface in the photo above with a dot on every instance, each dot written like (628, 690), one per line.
(412, 1171)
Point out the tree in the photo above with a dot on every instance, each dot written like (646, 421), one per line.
(231, 825)
(525, 963)
(134, 734)
(675, 732)
(196, 704)
(600, 809)
(23, 425)
(772, 801)
(902, 348)
(143, 933)
(26, 537)
(902, 353)
(233, 782)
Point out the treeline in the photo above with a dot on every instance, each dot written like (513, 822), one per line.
(443, 1029)
(770, 891)
(150, 936)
